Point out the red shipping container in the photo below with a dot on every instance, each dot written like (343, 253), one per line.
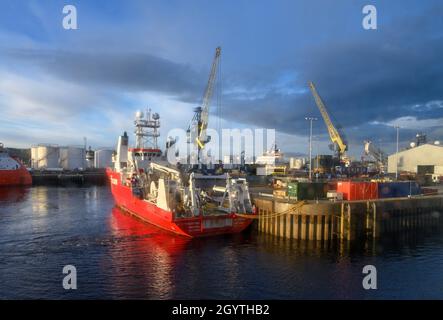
(358, 190)
(332, 185)
(429, 191)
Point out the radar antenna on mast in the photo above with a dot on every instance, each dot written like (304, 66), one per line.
(146, 129)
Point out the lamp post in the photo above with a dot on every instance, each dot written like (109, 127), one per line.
(396, 155)
(310, 119)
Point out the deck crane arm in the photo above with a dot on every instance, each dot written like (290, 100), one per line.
(175, 174)
(203, 118)
(333, 132)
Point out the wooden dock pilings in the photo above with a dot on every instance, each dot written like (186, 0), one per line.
(348, 220)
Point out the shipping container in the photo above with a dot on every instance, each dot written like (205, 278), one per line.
(386, 190)
(334, 195)
(398, 189)
(358, 190)
(332, 185)
(430, 191)
(279, 193)
(292, 190)
(307, 190)
(415, 188)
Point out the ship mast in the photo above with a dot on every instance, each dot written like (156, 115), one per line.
(146, 130)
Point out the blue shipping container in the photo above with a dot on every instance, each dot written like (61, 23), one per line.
(415, 188)
(398, 189)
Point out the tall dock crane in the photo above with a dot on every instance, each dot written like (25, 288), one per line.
(199, 124)
(336, 139)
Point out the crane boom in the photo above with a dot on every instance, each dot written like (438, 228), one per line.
(333, 132)
(203, 118)
(175, 174)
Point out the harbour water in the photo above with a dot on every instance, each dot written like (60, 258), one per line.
(43, 228)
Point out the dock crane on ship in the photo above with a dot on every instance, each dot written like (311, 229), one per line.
(338, 142)
(199, 124)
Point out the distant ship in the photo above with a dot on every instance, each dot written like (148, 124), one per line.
(12, 170)
(271, 162)
(185, 203)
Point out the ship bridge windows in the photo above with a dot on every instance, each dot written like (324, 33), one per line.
(147, 154)
(7, 163)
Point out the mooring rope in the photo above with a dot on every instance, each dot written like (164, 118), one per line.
(298, 205)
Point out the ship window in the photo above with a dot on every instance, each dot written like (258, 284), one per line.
(146, 154)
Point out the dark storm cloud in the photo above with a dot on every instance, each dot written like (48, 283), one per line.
(379, 80)
(376, 77)
(126, 71)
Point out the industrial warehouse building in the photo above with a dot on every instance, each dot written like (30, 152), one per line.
(410, 159)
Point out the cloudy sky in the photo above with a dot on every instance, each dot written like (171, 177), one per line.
(57, 85)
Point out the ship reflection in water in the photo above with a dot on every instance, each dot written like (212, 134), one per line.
(147, 253)
(10, 195)
(116, 256)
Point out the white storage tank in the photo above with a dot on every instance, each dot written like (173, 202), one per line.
(89, 157)
(45, 156)
(72, 157)
(103, 158)
(34, 157)
(63, 157)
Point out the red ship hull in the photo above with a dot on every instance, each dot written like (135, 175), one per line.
(189, 227)
(18, 177)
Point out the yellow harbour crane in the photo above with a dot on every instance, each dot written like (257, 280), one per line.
(199, 123)
(336, 139)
